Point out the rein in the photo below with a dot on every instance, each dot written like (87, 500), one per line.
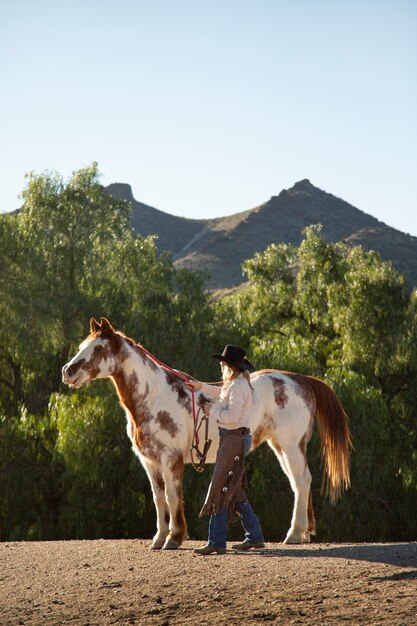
(201, 456)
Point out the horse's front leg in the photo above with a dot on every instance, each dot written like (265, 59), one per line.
(162, 513)
(172, 471)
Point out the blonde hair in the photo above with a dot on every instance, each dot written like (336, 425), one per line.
(230, 372)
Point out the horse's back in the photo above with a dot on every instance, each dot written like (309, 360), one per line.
(282, 410)
(284, 406)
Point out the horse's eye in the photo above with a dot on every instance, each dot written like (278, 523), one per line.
(99, 348)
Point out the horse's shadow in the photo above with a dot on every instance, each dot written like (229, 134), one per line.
(405, 575)
(400, 554)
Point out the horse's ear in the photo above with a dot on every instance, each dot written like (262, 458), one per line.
(94, 325)
(106, 327)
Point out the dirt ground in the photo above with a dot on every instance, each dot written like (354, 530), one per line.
(97, 583)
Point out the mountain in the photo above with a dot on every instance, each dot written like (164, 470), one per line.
(220, 245)
(173, 232)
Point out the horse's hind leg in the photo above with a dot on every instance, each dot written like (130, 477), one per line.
(311, 517)
(300, 479)
(162, 512)
(294, 464)
(173, 471)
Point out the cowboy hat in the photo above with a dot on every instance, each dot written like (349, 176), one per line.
(235, 356)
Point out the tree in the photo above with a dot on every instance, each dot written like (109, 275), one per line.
(105, 491)
(320, 308)
(73, 228)
(70, 254)
(342, 314)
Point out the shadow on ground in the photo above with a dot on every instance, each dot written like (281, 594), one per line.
(404, 555)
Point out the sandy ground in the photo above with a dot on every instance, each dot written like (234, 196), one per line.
(123, 582)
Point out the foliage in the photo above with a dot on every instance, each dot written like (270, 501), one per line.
(342, 314)
(321, 308)
(106, 493)
(29, 491)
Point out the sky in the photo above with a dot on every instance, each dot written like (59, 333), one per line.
(210, 107)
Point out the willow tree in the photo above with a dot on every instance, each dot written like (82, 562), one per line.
(341, 313)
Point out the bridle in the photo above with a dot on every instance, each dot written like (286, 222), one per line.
(201, 455)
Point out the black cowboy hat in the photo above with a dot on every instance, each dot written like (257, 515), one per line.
(235, 356)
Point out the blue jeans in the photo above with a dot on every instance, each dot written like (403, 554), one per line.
(217, 530)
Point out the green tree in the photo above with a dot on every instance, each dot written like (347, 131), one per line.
(320, 308)
(29, 478)
(73, 228)
(68, 255)
(105, 491)
(52, 251)
(344, 315)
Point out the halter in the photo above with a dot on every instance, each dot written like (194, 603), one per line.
(201, 456)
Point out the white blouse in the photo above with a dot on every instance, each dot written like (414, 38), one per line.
(234, 404)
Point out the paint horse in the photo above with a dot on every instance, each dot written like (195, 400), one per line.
(158, 406)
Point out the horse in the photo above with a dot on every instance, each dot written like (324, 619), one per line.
(159, 412)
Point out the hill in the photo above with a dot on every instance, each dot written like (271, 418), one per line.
(173, 232)
(219, 246)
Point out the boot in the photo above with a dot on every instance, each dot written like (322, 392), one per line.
(208, 549)
(247, 545)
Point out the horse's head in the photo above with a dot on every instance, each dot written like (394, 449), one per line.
(97, 355)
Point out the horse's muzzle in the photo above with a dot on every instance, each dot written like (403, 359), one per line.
(69, 374)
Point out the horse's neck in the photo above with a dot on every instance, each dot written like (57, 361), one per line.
(137, 380)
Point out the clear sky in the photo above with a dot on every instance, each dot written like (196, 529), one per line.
(210, 107)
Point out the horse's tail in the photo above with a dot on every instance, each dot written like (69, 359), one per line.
(335, 438)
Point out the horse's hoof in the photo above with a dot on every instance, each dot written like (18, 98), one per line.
(157, 544)
(294, 537)
(171, 544)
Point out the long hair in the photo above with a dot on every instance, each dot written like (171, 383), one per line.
(229, 373)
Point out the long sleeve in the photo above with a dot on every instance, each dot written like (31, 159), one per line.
(213, 391)
(233, 410)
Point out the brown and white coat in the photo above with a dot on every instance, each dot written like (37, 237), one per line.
(160, 425)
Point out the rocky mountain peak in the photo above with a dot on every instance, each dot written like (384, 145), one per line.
(121, 191)
(302, 185)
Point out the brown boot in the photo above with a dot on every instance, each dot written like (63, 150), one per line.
(247, 545)
(208, 549)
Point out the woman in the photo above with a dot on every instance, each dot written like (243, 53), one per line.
(232, 412)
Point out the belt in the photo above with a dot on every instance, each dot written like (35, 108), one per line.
(236, 431)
